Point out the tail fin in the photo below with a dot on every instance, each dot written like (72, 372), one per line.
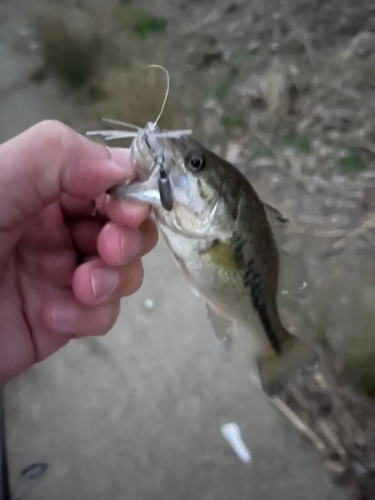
(275, 368)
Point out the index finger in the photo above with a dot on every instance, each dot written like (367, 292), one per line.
(128, 213)
(50, 159)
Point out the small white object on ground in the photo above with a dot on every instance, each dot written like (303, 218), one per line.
(232, 433)
(148, 304)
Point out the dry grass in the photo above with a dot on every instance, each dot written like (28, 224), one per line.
(105, 55)
(70, 44)
(136, 96)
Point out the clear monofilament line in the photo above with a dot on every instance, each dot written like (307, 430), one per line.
(122, 124)
(166, 92)
(110, 135)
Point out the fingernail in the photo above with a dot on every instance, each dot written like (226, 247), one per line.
(130, 244)
(64, 316)
(103, 282)
(121, 158)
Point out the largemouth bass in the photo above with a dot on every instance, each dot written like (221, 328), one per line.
(219, 232)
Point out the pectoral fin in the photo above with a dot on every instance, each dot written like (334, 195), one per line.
(222, 328)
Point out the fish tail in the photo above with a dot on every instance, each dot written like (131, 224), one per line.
(275, 368)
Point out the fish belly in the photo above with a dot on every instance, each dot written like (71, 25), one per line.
(221, 286)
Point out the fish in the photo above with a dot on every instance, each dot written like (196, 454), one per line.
(221, 235)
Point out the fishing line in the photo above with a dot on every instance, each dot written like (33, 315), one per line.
(122, 124)
(110, 135)
(165, 71)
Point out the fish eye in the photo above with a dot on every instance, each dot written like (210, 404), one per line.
(196, 161)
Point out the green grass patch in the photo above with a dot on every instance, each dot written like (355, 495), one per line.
(352, 161)
(71, 55)
(147, 25)
(141, 23)
(233, 121)
(292, 140)
(262, 151)
(220, 90)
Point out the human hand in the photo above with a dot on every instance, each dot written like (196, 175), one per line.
(51, 179)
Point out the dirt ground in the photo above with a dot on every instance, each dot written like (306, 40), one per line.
(137, 414)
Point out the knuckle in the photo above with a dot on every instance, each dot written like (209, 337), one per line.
(54, 132)
(131, 279)
(137, 277)
(108, 319)
(58, 140)
(154, 234)
(58, 144)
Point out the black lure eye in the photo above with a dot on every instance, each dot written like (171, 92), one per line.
(196, 162)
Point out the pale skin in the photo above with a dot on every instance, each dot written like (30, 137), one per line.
(63, 270)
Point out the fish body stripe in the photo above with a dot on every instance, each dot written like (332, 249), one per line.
(261, 308)
(252, 281)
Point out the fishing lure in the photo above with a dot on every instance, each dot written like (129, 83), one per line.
(152, 135)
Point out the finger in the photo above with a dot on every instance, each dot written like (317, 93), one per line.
(46, 232)
(68, 316)
(94, 283)
(49, 159)
(74, 206)
(118, 246)
(56, 268)
(85, 233)
(127, 213)
(150, 236)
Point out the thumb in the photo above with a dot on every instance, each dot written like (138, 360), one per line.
(49, 159)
